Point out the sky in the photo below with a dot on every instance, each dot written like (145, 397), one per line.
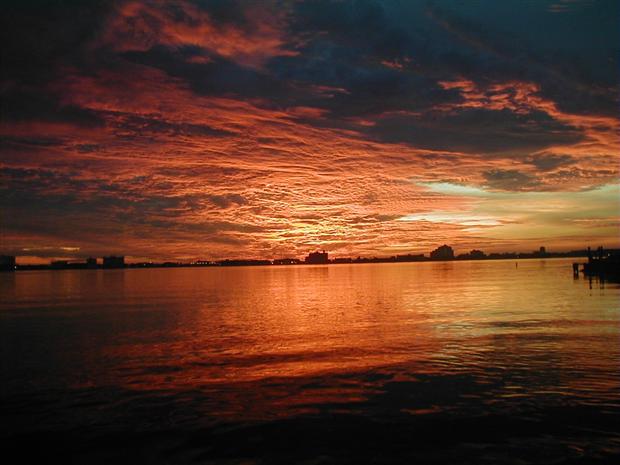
(264, 129)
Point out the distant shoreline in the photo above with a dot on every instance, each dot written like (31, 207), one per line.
(254, 263)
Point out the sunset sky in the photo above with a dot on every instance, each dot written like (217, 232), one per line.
(214, 129)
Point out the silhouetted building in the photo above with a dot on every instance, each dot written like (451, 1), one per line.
(477, 254)
(91, 263)
(7, 263)
(542, 252)
(315, 258)
(114, 262)
(444, 252)
(473, 255)
(60, 264)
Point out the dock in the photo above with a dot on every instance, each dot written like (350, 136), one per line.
(602, 263)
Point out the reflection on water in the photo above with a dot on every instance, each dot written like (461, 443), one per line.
(513, 358)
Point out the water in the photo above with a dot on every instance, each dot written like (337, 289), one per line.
(475, 362)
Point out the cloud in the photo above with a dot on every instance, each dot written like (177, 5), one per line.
(141, 125)
(203, 129)
(249, 38)
(509, 180)
(527, 219)
(227, 200)
(459, 218)
(550, 162)
(19, 106)
(475, 130)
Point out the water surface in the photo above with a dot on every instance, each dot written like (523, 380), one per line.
(480, 362)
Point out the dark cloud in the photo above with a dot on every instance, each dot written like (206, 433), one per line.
(476, 130)
(227, 200)
(14, 143)
(571, 58)
(131, 201)
(38, 38)
(23, 106)
(88, 148)
(509, 180)
(345, 41)
(140, 125)
(364, 26)
(219, 76)
(73, 192)
(548, 162)
(229, 11)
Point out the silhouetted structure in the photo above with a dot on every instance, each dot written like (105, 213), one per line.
(286, 261)
(540, 253)
(114, 261)
(473, 255)
(477, 254)
(605, 263)
(506, 255)
(444, 252)
(203, 263)
(7, 263)
(89, 263)
(60, 264)
(316, 258)
(408, 258)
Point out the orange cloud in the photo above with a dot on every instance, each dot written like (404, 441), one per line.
(139, 26)
(595, 155)
(176, 171)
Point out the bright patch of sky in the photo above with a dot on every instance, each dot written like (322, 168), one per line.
(593, 214)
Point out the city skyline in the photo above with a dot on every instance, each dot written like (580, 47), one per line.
(179, 130)
(441, 253)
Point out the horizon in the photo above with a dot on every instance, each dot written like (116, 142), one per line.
(177, 130)
(131, 259)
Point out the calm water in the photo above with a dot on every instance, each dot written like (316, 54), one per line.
(475, 362)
